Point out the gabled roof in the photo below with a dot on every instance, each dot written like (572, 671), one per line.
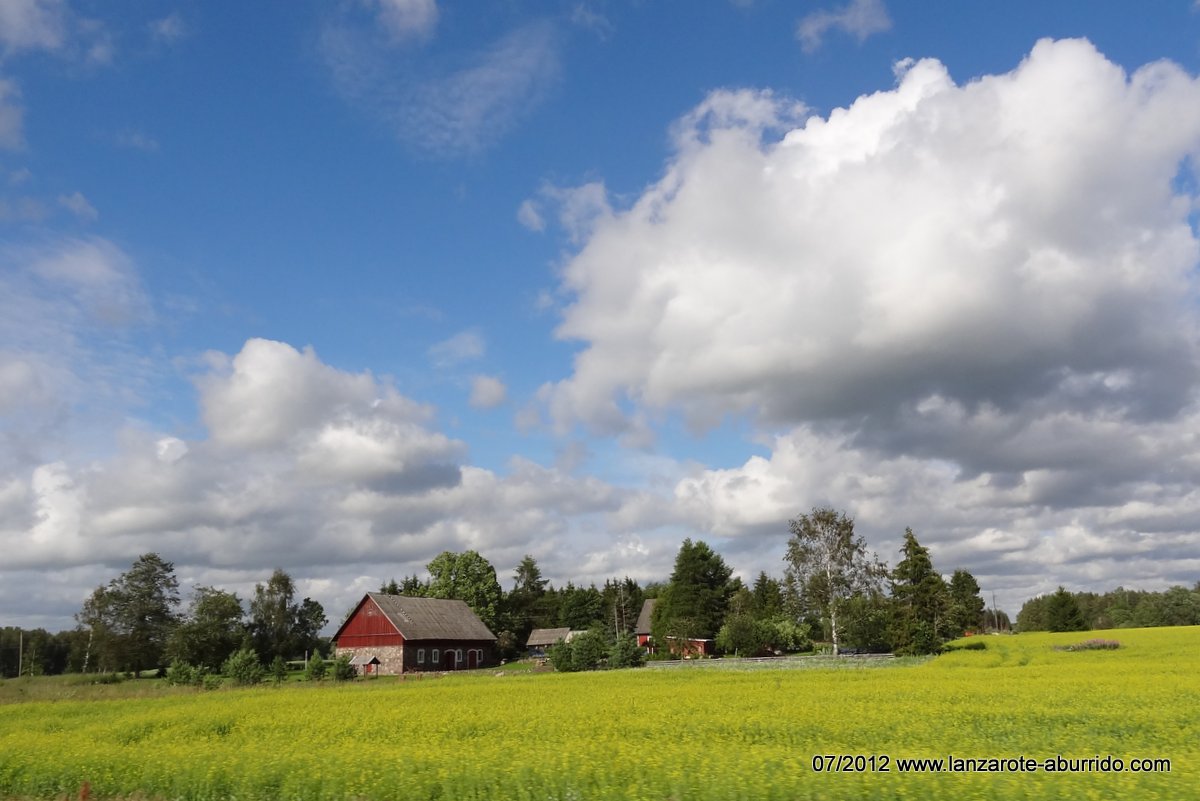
(542, 637)
(643, 621)
(425, 618)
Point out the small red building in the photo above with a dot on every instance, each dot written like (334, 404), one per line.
(642, 628)
(415, 634)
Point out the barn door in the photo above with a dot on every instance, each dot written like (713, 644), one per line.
(472, 659)
(448, 659)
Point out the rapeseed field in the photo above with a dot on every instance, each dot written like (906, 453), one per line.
(821, 729)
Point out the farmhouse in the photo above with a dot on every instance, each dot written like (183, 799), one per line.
(405, 634)
(540, 640)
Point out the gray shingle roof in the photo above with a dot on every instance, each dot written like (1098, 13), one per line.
(643, 621)
(542, 637)
(431, 618)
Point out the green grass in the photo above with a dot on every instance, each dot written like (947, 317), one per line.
(684, 733)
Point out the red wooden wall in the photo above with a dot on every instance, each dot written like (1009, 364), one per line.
(369, 627)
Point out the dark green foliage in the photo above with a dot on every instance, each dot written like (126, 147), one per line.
(866, 618)
(743, 635)
(625, 653)
(180, 674)
(279, 670)
(1063, 613)
(211, 631)
(593, 650)
(694, 601)
(342, 669)
(589, 650)
(973, 645)
(966, 613)
(520, 608)
(580, 608)
(1122, 608)
(243, 667)
(826, 566)
(467, 577)
(278, 625)
(622, 603)
(766, 597)
(920, 601)
(561, 656)
(316, 669)
(131, 619)
(40, 652)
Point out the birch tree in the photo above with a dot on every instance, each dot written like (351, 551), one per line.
(827, 564)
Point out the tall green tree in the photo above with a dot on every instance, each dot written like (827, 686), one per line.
(767, 597)
(132, 618)
(694, 601)
(920, 601)
(272, 616)
(622, 604)
(826, 565)
(1063, 613)
(580, 608)
(279, 626)
(966, 604)
(468, 577)
(520, 607)
(211, 631)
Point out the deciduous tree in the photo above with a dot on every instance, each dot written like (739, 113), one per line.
(826, 565)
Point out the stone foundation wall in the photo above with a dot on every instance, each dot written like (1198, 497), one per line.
(391, 658)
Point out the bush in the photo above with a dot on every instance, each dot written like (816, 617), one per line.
(625, 653)
(561, 657)
(317, 669)
(243, 667)
(973, 645)
(180, 674)
(343, 670)
(279, 670)
(589, 651)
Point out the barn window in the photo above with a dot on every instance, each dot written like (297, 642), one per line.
(420, 656)
(435, 656)
(458, 656)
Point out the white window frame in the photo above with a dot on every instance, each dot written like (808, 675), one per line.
(420, 656)
(436, 662)
(458, 660)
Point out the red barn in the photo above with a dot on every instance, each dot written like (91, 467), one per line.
(415, 634)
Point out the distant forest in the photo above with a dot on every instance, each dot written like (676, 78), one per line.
(833, 594)
(1116, 609)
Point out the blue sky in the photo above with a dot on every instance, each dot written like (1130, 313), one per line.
(338, 286)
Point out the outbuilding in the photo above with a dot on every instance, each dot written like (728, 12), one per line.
(540, 640)
(407, 635)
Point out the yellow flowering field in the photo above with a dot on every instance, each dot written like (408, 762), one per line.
(807, 729)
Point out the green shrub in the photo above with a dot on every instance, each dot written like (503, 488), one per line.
(342, 669)
(180, 674)
(625, 652)
(243, 667)
(560, 657)
(279, 670)
(317, 669)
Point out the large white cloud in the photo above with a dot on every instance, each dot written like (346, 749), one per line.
(966, 308)
(1011, 239)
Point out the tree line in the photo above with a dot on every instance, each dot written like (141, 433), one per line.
(831, 590)
(1116, 609)
(135, 624)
